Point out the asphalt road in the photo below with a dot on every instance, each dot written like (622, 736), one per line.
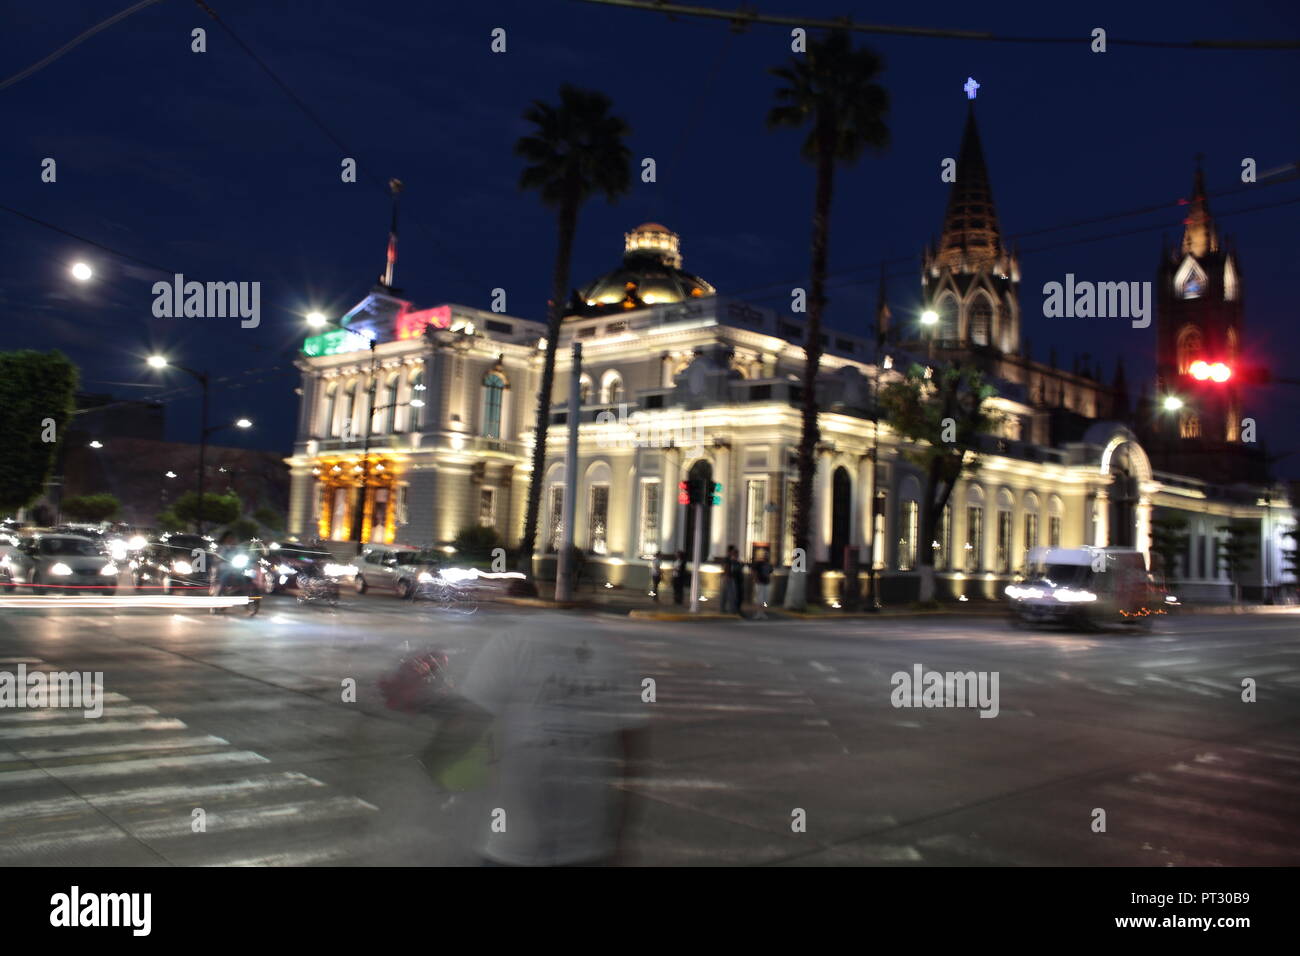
(753, 722)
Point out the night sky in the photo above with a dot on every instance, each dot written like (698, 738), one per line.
(199, 163)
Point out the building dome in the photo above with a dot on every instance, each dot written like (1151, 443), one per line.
(651, 274)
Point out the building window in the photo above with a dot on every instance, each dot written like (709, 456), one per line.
(611, 388)
(326, 428)
(878, 529)
(494, 387)
(649, 523)
(756, 510)
(487, 507)
(402, 497)
(788, 542)
(390, 403)
(910, 519)
(418, 392)
(974, 538)
(584, 390)
(1031, 533)
(943, 554)
(1190, 347)
(1189, 425)
(556, 537)
(1054, 531)
(598, 519)
(981, 321)
(1004, 542)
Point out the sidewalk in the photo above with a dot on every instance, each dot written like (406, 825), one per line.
(637, 604)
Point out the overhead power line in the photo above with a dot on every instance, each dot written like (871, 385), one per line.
(102, 25)
(743, 17)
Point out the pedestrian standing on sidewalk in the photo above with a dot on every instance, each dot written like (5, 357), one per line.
(762, 585)
(733, 581)
(679, 578)
(656, 574)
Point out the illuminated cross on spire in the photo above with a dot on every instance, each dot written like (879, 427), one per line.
(970, 87)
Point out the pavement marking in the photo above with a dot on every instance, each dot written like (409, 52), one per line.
(92, 727)
(169, 743)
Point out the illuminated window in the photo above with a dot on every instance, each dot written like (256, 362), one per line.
(611, 388)
(1189, 425)
(649, 523)
(1190, 347)
(974, 537)
(1031, 532)
(910, 520)
(327, 426)
(1004, 542)
(598, 519)
(493, 389)
(487, 507)
(981, 321)
(943, 554)
(418, 398)
(1054, 531)
(556, 537)
(756, 511)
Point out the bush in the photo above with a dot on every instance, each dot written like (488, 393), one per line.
(476, 543)
(269, 518)
(91, 508)
(244, 528)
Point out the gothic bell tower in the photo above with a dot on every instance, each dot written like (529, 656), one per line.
(1198, 332)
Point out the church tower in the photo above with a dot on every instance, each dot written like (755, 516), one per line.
(969, 279)
(1198, 331)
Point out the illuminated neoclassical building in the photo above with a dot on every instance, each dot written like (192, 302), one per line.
(680, 382)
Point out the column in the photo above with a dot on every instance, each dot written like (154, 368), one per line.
(670, 467)
(1142, 535)
(1101, 518)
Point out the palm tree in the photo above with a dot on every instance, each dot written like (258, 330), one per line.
(575, 152)
(832, 87)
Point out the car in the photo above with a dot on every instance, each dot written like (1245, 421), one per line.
(1087, 587)
(68, 563)
(389, 567)
(174, 562)
(291, 560)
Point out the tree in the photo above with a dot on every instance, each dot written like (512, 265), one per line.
(242, 528)
(37, 397)
(217, 508)
(833, 89)
(944, 414)
(1236, 553)
(92, 508)
(1168, 540)
(269, 518)
(576, 151)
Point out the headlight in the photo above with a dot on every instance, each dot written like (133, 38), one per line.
(109, 568)
(456, 575)
(340, 570)
(239, 561)
(283, 569)
(117, 549)
(137, 542)
(1067, 596)
(61, 569)
(425, 577)
(182, 567)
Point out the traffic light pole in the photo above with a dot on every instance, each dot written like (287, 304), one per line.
(698, 546)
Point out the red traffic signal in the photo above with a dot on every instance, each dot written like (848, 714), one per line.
(1210, 371)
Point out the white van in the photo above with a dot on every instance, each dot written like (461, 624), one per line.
(1086, 587)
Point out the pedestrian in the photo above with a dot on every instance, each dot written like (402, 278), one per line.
(679, 578)
(733, 581)
(762, 584)
(656, 574)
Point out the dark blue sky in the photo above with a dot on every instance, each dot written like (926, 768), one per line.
(200, 164)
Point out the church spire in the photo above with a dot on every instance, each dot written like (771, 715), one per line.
(1199, 235)
(970, 232)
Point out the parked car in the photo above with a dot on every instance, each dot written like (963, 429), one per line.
(67, 563)
(1087, 587)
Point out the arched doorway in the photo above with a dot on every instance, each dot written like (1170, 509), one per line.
(700, 471)
(841, 516)
(1123, 500)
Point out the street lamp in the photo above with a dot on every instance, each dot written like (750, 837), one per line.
(1171, 403)
(160, 362)
(316, 320)
(81, 272)
(930, 319)
(96, 444)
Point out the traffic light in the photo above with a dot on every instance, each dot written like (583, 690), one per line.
(683, 492)
(1203, 371)
(716, 498)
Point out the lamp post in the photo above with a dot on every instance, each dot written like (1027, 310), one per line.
(161, 362)
(873, 599)
(930, 319)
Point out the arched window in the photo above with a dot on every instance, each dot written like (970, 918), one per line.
(611, 388)
(981, 321)
(1190, 347)
(946, 331)
(326, 427)
(584, 389)
(418, 392)
(1229, 281)
(1189, 281)
(494, 386)
(346, 427)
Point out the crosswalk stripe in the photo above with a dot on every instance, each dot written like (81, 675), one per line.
(92, 727)
(122, 768)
